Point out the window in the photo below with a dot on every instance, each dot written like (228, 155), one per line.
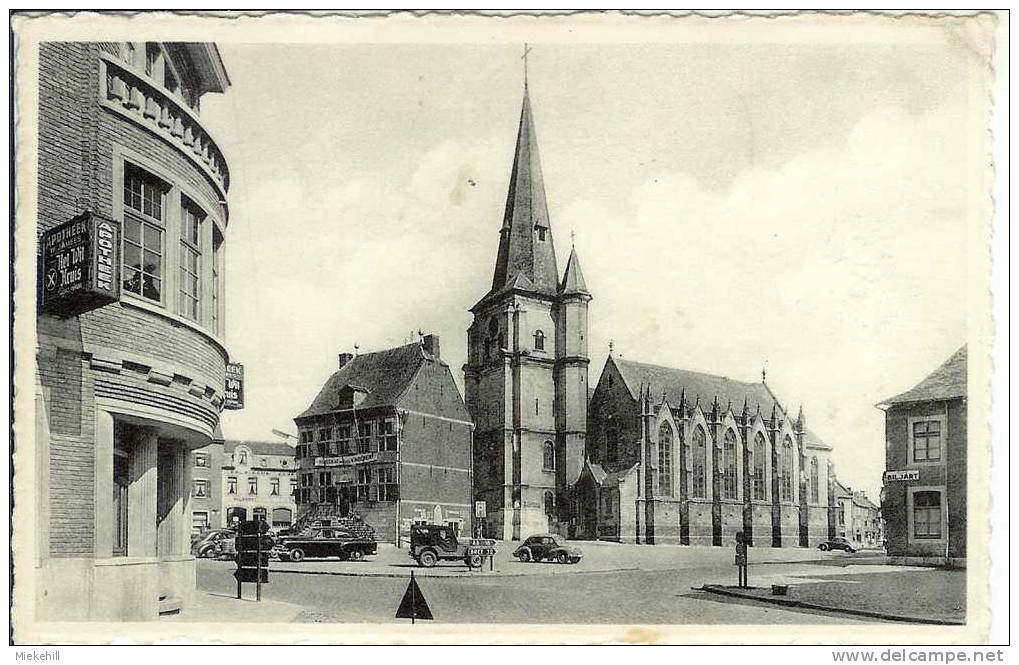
(217, 243)
(387, 435)
(363, 481)
(729, 474)
(541, 233)
(927, 441)
(927, 515)
(758, 463)
(611, 443)
(539, 340)
(121, 482)
(324, 434)
(242, 456)
(128, 53)
(274, 486)
(813, 479)
(201, 459)
(364, 434)
(143, 234)
(665, 460)
(388, 489)
(549, 504)
(548, 456)
(343, 435)
(699, 486)
(188, 301)
(201, 488)
(231, 485)
(199, 521)
(252, 485)
(293, 486)
(786, 466)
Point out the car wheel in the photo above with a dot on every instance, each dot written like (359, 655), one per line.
(525, 556)
(851, 550)
(474, 561)
(205, 552)
(563, 557)
(428, 559)
(823, 547)
(575, 560)
(355, 555)
(297, 554)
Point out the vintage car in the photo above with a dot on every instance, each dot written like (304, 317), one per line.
(209, 543)
(322, 543)
(837, 543)
(432, 543)
(547, 547)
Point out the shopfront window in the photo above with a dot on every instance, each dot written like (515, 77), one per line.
(121, 481)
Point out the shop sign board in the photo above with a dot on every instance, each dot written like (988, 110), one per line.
(903, 475)
(234, 387)
(80, 265)
(345, 460)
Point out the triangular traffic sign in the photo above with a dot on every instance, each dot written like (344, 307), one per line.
(413, 606)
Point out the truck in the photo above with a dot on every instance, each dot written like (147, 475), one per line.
(432, 543)
(324, 542)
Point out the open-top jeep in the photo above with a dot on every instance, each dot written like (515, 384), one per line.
(431, 543)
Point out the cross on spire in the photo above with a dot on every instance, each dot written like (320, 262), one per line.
(527, 49)
(573, 238)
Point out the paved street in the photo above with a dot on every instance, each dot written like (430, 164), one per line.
(605, 588)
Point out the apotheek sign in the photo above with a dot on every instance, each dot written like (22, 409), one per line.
(81, 265)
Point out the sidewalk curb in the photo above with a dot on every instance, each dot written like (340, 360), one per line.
(787, 602)
(401, 576)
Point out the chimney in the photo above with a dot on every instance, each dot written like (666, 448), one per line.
(431, 345)
(345, 358)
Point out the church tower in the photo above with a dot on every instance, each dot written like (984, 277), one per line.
(526, 371)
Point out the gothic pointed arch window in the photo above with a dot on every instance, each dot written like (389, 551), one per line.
(786, 471)
(539, 340)
(548, 456)
(665, 460)
(729, 465)
(699, 481)
(758, 461)
(814, 488)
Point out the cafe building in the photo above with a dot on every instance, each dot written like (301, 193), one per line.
(130, 358)
(387, 440)
(924, 495)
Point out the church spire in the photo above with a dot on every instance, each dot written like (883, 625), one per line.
(526, 255)
(573, 278)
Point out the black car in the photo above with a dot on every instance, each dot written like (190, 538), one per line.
(547, 547)
(837, 543)
(322, 543)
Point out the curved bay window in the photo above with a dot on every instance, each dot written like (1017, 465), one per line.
(665, 460)
(189, 301)
(699, 450)
(729, 465)
(759, 459)
(786, 471)
(548, 456)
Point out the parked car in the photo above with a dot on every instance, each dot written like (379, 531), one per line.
(321, 543)
(837, 543)
(208, 543)
(432, 543)
(548, 547)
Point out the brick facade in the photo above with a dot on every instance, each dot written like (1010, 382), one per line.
(128, 361)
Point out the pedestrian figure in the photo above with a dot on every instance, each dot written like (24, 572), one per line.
(741, 560)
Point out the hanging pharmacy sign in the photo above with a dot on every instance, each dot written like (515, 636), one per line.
(80, 268)
(234, 386)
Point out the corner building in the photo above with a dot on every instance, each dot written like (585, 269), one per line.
(387, 440)
(526, 370)
(125, 392)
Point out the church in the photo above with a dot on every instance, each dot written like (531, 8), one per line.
(653, 454)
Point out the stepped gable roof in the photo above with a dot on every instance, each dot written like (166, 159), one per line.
(259, 447)
(946, 382)
(384, 375)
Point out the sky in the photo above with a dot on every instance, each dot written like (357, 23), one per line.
(798, 209)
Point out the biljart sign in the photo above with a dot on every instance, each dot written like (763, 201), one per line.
(81, 265)
(901, 476)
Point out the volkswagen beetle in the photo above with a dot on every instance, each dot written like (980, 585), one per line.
(547, 547)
